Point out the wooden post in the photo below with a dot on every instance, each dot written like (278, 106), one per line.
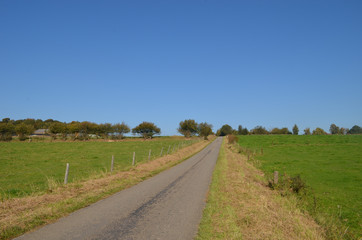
(149, 155)
(276, 177)
(66, 174)
(161, 152)
(173, 149)
(112, 163)
(134, 156)
(169, 146)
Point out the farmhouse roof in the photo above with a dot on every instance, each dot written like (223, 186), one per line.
(40, 131)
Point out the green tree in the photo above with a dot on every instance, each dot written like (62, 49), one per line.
(6, 131)
(146, 130)
(342, 131)
(39, 124)
(87, 128)
(319, 131)
(104, 129)
(280, 131)
(74, 128)
(23, 130)
(57, 128)
(29, 121)
(259, 130)
(205, 130)
(295, 129)
(245, 131)
(6, 120)
(307, 131)
(355, 130)
(334, 129)
(121, 129)
(188, 128)
(226, 130)
(240, 130)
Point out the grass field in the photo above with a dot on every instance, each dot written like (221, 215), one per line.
(330, 165)
(28, 168)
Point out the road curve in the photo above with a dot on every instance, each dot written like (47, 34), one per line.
(166, 206)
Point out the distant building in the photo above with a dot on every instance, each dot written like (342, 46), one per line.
(41, 132)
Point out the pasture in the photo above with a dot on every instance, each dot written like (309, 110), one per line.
(34, 167)
(330, 165)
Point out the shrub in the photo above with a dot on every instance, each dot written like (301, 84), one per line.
(319, 131)
(307, 131)
(259, 130)
(6, 137)
(232, 139)
(288, 184)
(280, 131)
(297, 184)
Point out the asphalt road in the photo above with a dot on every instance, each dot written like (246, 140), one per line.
(167, 206)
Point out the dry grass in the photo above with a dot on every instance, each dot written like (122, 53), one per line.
(244, 207)
(19, 215)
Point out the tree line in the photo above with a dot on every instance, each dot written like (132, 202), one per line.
(189, 127)
(260, 130)
(74, 130)
(85, 130)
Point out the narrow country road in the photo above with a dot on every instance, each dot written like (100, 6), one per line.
(167, 206)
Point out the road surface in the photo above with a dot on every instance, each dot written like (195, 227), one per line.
(166, 206)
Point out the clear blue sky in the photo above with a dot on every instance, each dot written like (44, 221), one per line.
(269, 63)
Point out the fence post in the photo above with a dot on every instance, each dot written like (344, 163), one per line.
(169, 146)
(161, 152)
(134, 156)
(112, 162)
(276, 177)
(66, 174)
(149, 155)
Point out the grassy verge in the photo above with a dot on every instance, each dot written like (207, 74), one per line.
(331, 168)
(19, 215)
(241, 206)
(219, 219)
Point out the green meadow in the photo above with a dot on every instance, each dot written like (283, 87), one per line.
(28, 168)
(330, 165)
